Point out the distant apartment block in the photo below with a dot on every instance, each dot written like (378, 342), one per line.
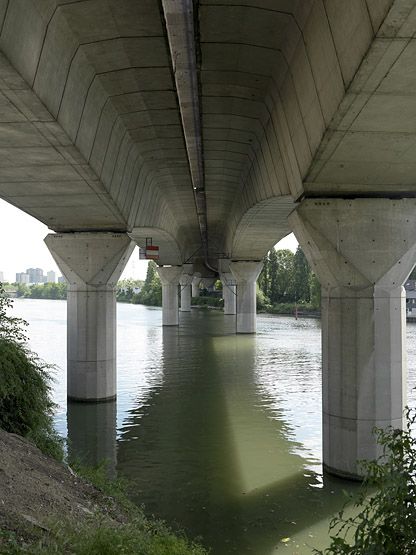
(35, 275)
(1, 276)
(51, 277)
(22, 277)
(61, 279)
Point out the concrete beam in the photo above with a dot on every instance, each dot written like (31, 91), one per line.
(179, 17)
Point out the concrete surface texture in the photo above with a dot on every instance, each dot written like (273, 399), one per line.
(92, 264)
(362, 250)
(170, 276)
(185, 282)
(245, 275)
(213, 128)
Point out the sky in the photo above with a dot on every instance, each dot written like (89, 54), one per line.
(22, 246)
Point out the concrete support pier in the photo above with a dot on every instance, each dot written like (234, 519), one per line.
(245, 274)
(92, 264)
(169, 276)
(362, 251)
(229, 292)
(195, 285)
(185, 281)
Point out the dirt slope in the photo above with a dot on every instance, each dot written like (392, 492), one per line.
(35, 490)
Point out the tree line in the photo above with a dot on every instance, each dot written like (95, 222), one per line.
(287, 280)
(39, 290)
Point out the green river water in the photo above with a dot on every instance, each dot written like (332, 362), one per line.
(219, 434)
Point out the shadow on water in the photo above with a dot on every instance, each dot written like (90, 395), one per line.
(204, 452)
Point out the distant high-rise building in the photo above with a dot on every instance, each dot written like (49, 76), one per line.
(1, 276)
(22, 277)
(61, 279)
(35, 275)
(51, 277)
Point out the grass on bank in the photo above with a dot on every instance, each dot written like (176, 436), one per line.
(132, 534)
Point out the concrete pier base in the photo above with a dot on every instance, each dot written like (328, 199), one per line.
(185, 282)
(195, 285)
(245, 274)
(362, 251)
(229, 293)
(92, 264)
(169, 276)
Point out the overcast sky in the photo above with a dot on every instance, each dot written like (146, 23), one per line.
(22, 246)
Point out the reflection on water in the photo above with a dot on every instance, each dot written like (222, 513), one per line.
(92, 434)
(219, 434)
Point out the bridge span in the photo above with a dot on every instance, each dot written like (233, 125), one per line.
(217, 127)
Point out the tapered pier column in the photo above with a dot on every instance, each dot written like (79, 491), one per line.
(229, 293)
(362, 251)
(245, 274)
(195, 285)
(169, 276)
(185, 281)
(92, 264)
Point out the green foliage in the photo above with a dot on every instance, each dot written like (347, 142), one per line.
(125, 289)
(300, 286)
(151, 293)
(25, 405)
(42, 291)
(315, 291)
(48, 291)
(263, 302)
(286, 278)
(386, 521)
(95, 536)
(209, 300)
(138, 537)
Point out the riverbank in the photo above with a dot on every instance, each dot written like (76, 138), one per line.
(47, 508)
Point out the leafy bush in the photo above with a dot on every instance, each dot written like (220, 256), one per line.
(262, 301)
(25, 404)
(386, 522)
(208, 301)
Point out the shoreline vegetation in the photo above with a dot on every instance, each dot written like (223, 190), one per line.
(286, 285)
(47, 506)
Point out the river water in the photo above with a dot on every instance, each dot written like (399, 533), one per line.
(219, 434)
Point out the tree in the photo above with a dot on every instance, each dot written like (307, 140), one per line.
(315, 291)
(386, 522)
(151, 293)
(281, 275)
(300, 286)
(264, 277)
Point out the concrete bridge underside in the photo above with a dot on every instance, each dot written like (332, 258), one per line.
(216, 128)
